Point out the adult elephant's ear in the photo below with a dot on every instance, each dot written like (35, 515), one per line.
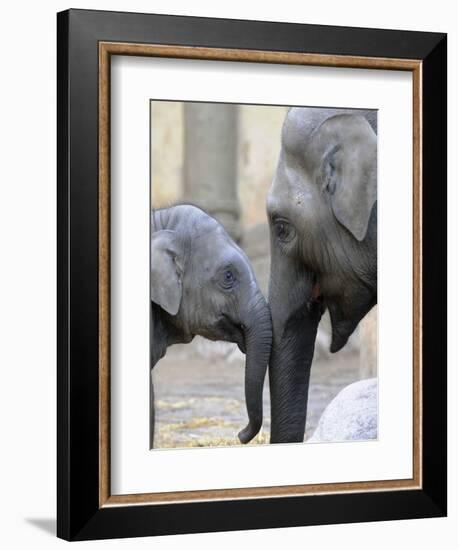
(166, 271)
(349, 169)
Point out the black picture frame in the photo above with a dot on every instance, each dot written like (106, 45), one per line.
(79, 514)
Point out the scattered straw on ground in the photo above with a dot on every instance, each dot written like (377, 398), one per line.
(168, 440)
(180, 434)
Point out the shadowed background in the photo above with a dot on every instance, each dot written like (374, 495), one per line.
(222, 158)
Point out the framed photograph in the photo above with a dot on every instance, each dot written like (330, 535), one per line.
(251, 274)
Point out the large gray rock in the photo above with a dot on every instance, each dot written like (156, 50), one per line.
(351, 415)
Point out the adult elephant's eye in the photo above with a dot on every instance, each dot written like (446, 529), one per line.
(284, 230)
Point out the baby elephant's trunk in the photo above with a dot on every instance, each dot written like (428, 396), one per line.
(258, 340)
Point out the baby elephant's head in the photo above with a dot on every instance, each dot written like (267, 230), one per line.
(206, 285)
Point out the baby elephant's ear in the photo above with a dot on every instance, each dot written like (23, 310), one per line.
(350, 170)
(166, 271)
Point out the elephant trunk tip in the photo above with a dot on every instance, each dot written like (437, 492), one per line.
(248, 433)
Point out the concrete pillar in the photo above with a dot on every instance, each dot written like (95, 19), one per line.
(210, 162)
(368, 349)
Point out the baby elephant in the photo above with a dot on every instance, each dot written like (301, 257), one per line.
(202, 283)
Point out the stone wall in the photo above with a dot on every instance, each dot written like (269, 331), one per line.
(368, 352)
(258, 147)
(167, 152)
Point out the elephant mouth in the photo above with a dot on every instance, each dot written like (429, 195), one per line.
(241, 343)
(238, 337)
(231, 332)
(317, 299)
(316, 292)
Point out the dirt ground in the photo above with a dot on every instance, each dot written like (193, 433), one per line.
(199, 391)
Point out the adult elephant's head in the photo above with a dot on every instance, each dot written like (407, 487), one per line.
(323, 222)
(205, 285)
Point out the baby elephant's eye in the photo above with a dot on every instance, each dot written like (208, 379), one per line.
(284, 231)
(227, 279)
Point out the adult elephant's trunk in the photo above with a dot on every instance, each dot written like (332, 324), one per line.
(295, 318)
(289, 375)
(258, 343)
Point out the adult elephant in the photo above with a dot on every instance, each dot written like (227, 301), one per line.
(202, 283)
(323, 223)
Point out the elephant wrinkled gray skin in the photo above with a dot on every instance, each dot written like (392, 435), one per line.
(202, 283)
(322, 210)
